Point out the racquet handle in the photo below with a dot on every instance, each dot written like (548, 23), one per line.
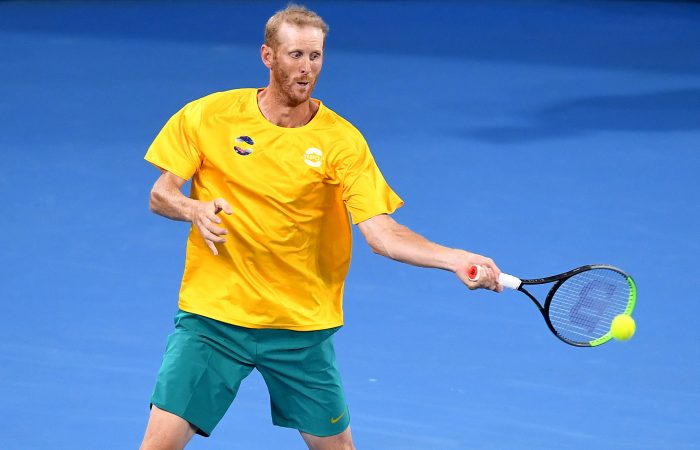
(506, 280)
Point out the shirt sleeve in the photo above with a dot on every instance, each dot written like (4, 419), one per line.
(365, 191)
(175, 149)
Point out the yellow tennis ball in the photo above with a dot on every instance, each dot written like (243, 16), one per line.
(622, 327)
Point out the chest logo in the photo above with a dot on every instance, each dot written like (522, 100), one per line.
(313, 157)
(244, 145)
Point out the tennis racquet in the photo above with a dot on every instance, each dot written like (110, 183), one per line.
(582, 303)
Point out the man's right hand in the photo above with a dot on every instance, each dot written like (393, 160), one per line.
(204, 218)
(168, 201)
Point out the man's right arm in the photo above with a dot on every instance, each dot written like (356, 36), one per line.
(168, 201)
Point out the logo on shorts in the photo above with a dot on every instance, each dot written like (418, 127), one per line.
(313, 157)
(335, 420)
(242, 143)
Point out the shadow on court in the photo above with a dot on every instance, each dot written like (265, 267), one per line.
(676, 110)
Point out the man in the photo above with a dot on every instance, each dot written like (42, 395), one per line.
(274, 175)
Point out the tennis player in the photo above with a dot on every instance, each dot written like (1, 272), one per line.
(277, 179)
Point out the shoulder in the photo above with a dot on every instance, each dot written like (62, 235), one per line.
(196, 111)
(341, 125)
(221, 101)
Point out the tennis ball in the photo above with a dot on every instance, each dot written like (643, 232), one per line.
(622, 327)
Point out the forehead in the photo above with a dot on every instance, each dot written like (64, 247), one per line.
(290, 35)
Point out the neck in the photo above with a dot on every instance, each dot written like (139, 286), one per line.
(278, 111)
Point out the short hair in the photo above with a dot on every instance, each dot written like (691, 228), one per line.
(295, 15)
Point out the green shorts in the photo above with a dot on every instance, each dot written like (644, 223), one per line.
(206, 360)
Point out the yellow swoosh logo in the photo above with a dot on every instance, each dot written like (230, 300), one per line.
(337, 418)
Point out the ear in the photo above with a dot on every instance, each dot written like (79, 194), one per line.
(266, 54)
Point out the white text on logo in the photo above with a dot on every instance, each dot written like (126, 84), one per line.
(313, 157)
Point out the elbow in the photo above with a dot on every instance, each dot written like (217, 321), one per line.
(379, 235)
(154, 201)
(378, 246)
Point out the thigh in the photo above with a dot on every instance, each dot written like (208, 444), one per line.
(306, 391)
(200, 373)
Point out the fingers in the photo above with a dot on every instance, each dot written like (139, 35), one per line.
(486, 276)
(492, 265)
(222, 205)
(212, 247)
(211, 216)
(493, 272)
(488, 279)
(483, 279)
(205, 220)
(212, 233)
(493, 283)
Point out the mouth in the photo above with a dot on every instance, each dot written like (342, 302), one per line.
(302, 83)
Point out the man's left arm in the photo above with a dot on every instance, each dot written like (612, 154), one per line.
(388, 238)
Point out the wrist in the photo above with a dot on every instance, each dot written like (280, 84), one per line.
(190, 209)
(458, 260)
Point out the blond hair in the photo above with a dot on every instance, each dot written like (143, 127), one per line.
(295, 15)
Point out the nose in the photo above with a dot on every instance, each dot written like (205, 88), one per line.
(305, 65)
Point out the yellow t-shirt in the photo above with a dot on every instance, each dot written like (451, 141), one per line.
(288, 246)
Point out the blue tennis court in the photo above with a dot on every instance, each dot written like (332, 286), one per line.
(545, 134)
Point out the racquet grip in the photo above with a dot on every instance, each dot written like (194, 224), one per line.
(509, 281)
(506, 280)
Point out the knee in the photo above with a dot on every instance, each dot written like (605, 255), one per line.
(327, 445)
(342, 441)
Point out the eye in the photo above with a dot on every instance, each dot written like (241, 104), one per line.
(314, 56)
(295, 54)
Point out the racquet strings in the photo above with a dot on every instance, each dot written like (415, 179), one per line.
(584, 305)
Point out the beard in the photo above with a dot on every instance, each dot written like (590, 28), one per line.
(291, 93)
